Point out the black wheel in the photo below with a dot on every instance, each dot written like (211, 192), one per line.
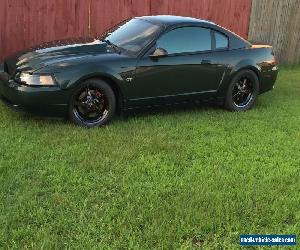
(92, 104)
(242, 91)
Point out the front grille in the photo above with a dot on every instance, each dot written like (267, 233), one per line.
(5, 67)
(4, 76)
(9, 69)
(8, 74)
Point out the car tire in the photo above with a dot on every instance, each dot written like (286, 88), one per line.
(242, 91)
(92, 104)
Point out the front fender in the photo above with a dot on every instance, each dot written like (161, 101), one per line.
(72, 77)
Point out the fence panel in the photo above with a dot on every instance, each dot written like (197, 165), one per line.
(105, 14)
(24, 23)
(232, 14)
(277, 23)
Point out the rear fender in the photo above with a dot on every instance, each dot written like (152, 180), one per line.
(232, 71)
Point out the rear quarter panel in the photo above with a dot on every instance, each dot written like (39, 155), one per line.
(259, 59)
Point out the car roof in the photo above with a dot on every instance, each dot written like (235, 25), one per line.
(169, 21)
(173, 20)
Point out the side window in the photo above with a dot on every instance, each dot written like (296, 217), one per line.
(186, 39)
(221, 41)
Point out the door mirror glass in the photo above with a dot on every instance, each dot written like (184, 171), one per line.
(159, 52)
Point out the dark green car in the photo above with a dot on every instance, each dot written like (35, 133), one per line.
(151, 60)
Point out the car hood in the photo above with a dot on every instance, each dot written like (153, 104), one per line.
(54, 52)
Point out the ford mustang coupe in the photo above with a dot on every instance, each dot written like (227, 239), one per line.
(145, 61)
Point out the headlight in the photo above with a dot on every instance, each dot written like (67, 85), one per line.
(37, 80)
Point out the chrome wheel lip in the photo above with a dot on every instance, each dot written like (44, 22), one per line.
(244, 105)
(244, 87)
(90, 104)
(78, 116)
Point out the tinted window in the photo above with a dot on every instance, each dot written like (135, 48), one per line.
(221, 41)
(187, 39)
(134, 35)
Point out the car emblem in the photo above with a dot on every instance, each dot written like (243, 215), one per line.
(129, 79)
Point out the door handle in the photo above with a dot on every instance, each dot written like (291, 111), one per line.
(206, 62)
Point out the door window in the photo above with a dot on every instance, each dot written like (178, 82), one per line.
(221, 41)
(185, 40)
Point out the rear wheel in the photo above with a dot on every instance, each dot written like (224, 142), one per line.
(92, 104)
(242, 91)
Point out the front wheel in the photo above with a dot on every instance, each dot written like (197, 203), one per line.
(92, 104)
(242, 91)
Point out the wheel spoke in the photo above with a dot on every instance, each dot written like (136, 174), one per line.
(242, 91)
(91, 104)
(81, 104)
(236, 94)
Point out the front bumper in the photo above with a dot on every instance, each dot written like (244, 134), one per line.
(49, 101)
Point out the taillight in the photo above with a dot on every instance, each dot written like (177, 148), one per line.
(275, 61)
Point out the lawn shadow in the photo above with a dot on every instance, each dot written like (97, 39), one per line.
(30, 117)
(171, 109)
(142, 112)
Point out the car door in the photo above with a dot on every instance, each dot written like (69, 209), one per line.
(188, 71)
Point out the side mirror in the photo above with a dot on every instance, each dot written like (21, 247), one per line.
(159, 52)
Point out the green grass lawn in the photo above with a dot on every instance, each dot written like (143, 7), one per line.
(194, 177)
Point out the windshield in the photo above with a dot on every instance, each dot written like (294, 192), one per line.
(134, 35)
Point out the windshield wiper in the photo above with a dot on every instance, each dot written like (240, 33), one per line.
(115, 47)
